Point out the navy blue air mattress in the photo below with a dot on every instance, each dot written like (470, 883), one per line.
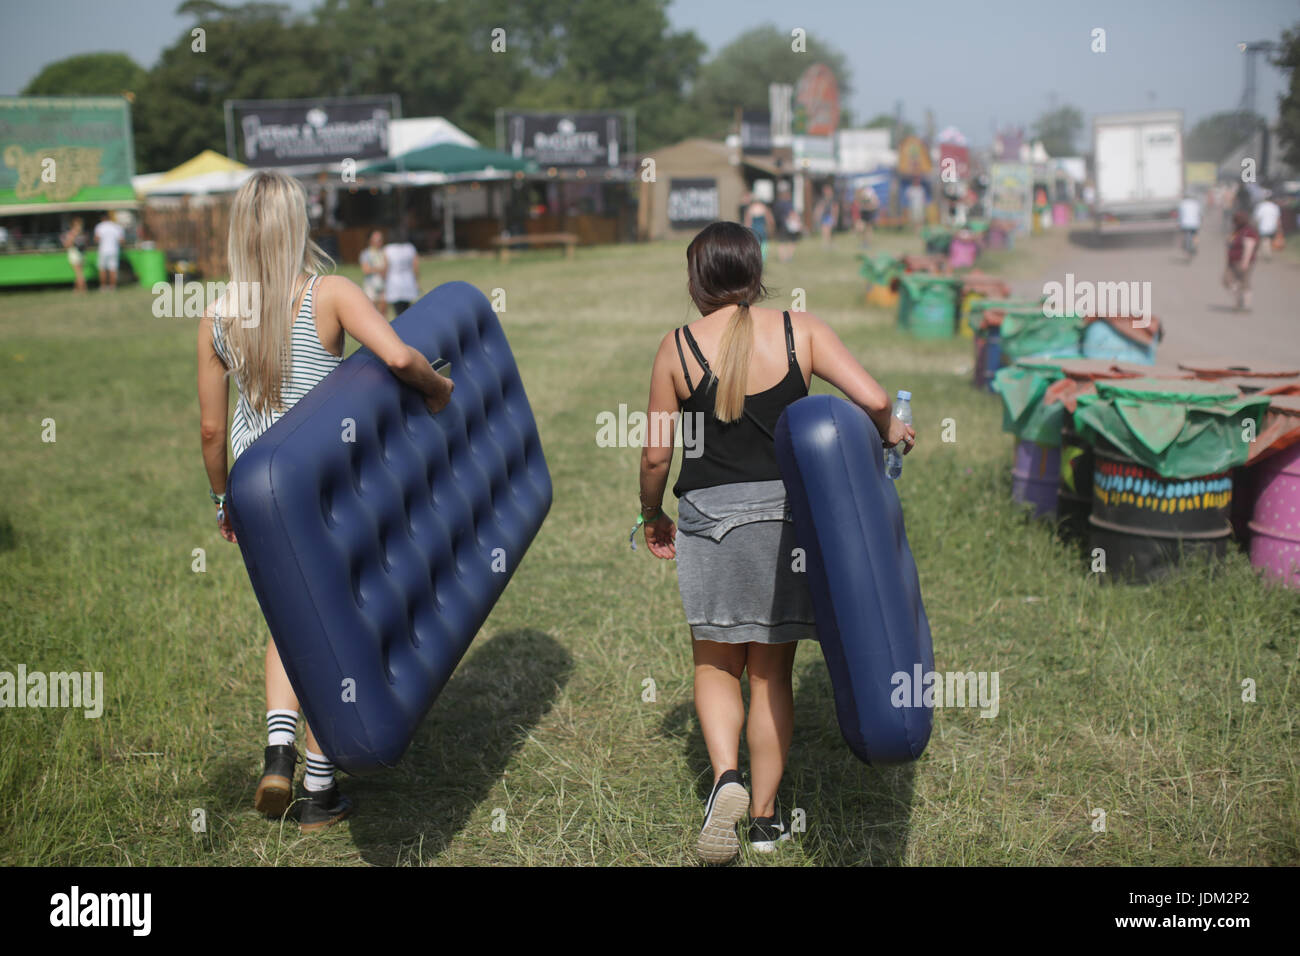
(376, 560)
(866, 594)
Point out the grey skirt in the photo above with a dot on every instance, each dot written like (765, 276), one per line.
(738, 566)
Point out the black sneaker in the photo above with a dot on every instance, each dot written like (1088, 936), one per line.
(318, 809)
(766, 833)
(728, 802)
(275, 789)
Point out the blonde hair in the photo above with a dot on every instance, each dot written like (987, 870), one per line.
(268, 248)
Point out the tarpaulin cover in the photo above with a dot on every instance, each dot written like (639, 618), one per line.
(1223, 368)
(1027, 332)
(985, 284)
(1145, 331)
(978, 315)
(881, 269)
(1179, 429)
(1025, 414)
(1281, 427)
(927, 263)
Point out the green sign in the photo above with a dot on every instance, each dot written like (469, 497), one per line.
(62, 150)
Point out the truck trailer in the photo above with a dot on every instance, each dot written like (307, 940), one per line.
(1138, 170)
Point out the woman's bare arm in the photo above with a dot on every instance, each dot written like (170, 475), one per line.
(360, 319)
(657, 453)
(832, 361)
(214, 405)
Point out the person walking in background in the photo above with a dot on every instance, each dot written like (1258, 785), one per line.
(916, 202)
(828, 214)
(789, 226)
(868, 206)
(1242, 245)
(1267, 217)
(758, 218)
(74, 240)
(373, 269)
(1189, 222)
(402, 282)
(109, 237)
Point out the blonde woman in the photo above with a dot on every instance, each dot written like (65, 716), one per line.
(277, 332)
(734, 371)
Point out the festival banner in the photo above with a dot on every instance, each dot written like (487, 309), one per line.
(63, 151)
(1011, 185)
(312, 132)
(564, 139)
(693, 203)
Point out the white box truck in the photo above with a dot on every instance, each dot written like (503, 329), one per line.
(1138, 170)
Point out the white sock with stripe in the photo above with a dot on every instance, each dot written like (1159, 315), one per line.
(320, 772)
(281, 727)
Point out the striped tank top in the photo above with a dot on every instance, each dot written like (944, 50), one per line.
(309, 363)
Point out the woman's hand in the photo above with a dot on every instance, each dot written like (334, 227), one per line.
(661, 537)
(224, 526)
(900, 432)
(441, 394)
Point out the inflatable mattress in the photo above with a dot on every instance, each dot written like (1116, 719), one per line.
(378, 536)
(866, 595)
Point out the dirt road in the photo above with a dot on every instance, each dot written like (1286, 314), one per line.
(1199, 315)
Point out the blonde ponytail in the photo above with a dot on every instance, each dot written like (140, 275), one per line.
(732, 365)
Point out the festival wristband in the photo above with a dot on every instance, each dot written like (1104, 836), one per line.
(218, 499)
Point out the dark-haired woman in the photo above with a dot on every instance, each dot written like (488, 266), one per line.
(730, 374)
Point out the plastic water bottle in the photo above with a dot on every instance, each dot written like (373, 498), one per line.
(894, 456)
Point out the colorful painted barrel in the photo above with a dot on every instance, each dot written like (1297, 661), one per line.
(1275, 527)
(992, 357)
(962, 253)
(931, 309)
(1074, 492)
(988, 357)
(1145, 523)
(1035, 475)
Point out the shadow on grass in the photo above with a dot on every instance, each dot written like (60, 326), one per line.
(855, 815)
(496, 696)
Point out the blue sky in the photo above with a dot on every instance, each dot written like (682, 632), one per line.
(973, 64)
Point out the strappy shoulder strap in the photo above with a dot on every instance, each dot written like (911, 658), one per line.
(789, 339)
(677, 334)
(695, 350)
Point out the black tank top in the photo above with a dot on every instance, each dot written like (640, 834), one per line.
(743, 450)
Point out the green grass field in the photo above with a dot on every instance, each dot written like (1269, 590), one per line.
(1114, 698)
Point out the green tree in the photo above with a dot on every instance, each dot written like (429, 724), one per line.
(90, 74)
(1058, 129)
(436, 55)
(254, 51)
(603, 54)
(1288, 122)
(740, 73)
(1218, 134)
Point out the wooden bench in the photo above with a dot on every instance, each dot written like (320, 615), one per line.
(505, 243)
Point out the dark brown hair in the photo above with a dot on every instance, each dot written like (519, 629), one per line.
(724, 266)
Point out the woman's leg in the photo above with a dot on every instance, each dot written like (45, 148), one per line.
(718, 703)
(771, 721)
(279, 692)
